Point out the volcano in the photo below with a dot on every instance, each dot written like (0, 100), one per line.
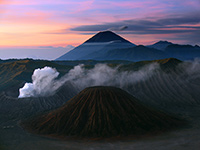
(106, 36)
(96, 46)
(102, 112)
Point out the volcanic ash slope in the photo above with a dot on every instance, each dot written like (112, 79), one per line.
(102, 112)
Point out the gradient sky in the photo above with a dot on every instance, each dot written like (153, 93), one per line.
(61, 23)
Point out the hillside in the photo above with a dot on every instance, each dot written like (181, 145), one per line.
(168, 64)
(26, 107)
(173, 88)
(102, 112)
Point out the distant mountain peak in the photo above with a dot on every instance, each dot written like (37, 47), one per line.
(106, 36)
(160, 45)
(197, 46)
(163, 42)
(142, 46)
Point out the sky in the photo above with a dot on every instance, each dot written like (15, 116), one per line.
(46, 29)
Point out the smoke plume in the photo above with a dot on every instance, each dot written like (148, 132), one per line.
(45, 82)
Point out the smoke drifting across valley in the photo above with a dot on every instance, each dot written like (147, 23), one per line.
(45, 81)
(104, 75)
(192, 71)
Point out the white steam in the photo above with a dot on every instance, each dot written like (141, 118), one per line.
(192, 67)
(45, 82)
(192, 70)
(104, 75)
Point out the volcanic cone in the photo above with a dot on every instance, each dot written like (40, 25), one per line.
(102, 112)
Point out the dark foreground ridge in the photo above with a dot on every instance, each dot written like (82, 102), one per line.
(102, 112)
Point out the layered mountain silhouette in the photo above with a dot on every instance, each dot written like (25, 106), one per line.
(107, 45)
(102, 112)
(142, 53)
(97, 45)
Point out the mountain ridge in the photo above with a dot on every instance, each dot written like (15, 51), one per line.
(107, 45)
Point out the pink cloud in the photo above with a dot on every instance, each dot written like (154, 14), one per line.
(83, 6)
(39, 2)
(195, 4)
(155, 4)
(26, 16)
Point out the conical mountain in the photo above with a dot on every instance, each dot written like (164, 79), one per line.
(96, 46)
(102, 112)
(106, 36)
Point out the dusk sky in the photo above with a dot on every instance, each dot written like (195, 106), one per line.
(47, 29)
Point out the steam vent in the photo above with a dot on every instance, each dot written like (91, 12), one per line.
(102, 112)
